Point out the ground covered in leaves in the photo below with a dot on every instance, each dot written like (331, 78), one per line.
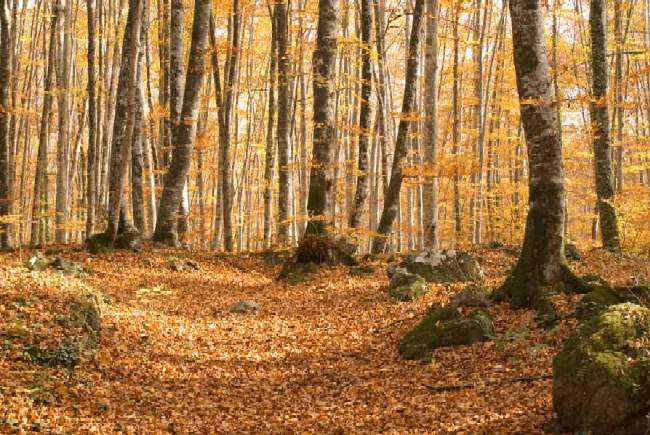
(318, 356)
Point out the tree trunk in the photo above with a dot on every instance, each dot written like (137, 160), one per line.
(40, 204)
(361, 193)
(282, 34)
(600, 125)
(5, 114)
(324, 68)
(269, 165)
(227, 108)
(63, 144)
(541, 263)
(185, 134)
(391, 201)
(176, 80)
(124, 122)
(91, 180)
(430, 194)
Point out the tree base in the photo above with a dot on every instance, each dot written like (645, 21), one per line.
(325, 249)
(100, 243)
(525, 289)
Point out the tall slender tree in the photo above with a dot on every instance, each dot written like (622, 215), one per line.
(430, 188)
(600, 125)
(91, 179)
(185, 133)
(365, 115)
(5, 114)
(319, 202)
(391, 201)
(282, 35)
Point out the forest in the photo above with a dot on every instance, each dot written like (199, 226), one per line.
(325, 216)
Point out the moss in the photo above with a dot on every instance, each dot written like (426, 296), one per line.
(295, 273)
(605, 346)
(445, 327)
(406, 287)
(546, 313)
(603, 296)
(362, 270)
(98, 244)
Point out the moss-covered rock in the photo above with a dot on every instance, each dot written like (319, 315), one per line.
(601, 379)
(546, 315)
(406, 287)
(444, 266)
(295, 273)
(473, 296)
(603, 296)
(445, 327)
(129, 239)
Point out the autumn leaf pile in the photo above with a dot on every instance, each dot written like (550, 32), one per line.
(318, 357)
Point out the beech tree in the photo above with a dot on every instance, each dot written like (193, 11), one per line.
(391, 201)
(5, 73)
(542, 263)
(319, 202)
(184, 133)
(600, 126)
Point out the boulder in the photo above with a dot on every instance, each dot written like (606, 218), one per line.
(38, 263)
(603, 296)
(245, 307)
(67, 267)
(444, 266)
(600, 377)
(445, 327)
(406, 287)
(472, 296)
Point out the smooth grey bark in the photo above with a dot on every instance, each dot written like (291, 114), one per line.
(282, 35)
(176, 81)
(40, 205)
(5, 115)
(137, 144)
(319, 202)
(391, 200)
(270, 151)
(124, 122)
(365, 114)
(63, 141)
(430, 188)
(600, 125)
(91, 163)
(230, 77)
(185, 133)
(542, 262)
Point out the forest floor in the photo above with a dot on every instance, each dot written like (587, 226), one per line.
(318, 357)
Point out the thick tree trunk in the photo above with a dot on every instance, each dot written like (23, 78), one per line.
(324, 67)
(185, 134)
(430, 188)
(361, 193)
(600, 125)
(5, 114)
(541, 263)
(391, 201)
(282, 33)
